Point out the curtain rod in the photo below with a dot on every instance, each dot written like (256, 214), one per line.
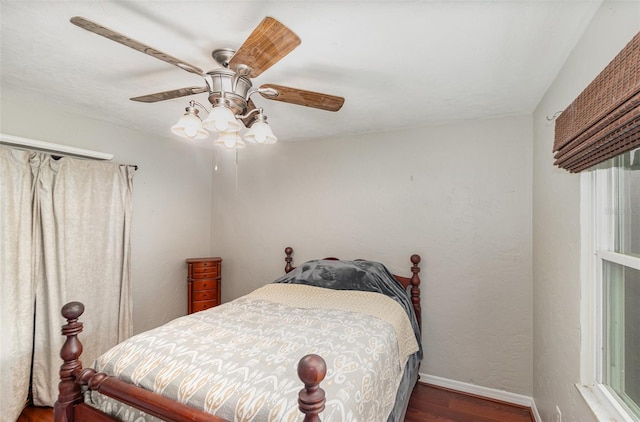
(53, 148)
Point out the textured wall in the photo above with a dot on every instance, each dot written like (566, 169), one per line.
(171, 197)
(556, 222)
(459, 195)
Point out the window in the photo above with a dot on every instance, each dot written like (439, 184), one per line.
(614, 275)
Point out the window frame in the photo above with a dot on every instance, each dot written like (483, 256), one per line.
(598, 189)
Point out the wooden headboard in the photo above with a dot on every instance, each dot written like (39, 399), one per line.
(411, 284)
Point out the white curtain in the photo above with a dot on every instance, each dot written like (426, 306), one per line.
(17, 289)
(81, 211)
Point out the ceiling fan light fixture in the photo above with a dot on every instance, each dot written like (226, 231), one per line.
(230, 140)
(190, 126)
(260, 132)
(221, 119)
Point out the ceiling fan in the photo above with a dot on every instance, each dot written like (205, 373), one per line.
(230, 86)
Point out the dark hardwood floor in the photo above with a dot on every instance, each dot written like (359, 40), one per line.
(36, 414)
(428, 403)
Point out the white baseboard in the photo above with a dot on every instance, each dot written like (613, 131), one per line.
(534, 411)
(487, 392)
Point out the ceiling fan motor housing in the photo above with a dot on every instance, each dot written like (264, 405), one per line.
(221, 82)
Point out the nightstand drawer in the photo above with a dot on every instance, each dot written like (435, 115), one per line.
(204, 285)
(202, 264)
(212, 274)
(199, 267)
(205, 294)
(201, 306)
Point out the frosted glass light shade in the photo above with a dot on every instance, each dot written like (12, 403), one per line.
(230, 140)
(221, 119)
(260, 133)
(189, 126)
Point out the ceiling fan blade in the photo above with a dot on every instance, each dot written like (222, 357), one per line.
(301, 97)
(167, 95)
(266, 45)
(136, 45)
(248, 121)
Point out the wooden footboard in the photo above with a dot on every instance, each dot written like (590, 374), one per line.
(70, 406)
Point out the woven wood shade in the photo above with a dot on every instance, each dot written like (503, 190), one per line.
(604, 120)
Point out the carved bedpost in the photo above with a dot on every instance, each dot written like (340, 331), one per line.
(69, 392)
(288, 259)
(311, 370)
(415, 287)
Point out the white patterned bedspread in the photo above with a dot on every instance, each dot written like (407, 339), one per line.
(239, 360)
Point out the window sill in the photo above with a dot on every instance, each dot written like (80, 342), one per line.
(602, 406)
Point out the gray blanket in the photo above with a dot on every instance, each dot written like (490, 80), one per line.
(368, 276)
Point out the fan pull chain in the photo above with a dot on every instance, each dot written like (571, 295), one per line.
(236, 163)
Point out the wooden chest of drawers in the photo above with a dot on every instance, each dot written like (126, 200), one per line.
(203, 280)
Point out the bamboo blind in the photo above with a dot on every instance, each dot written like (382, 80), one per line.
(604, 120)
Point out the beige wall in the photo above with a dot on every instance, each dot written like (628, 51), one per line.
(459, 195)
(556, 222)
(171, 200)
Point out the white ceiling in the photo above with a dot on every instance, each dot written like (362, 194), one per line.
(397, 63)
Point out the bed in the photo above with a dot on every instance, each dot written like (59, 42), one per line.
(351, 325)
